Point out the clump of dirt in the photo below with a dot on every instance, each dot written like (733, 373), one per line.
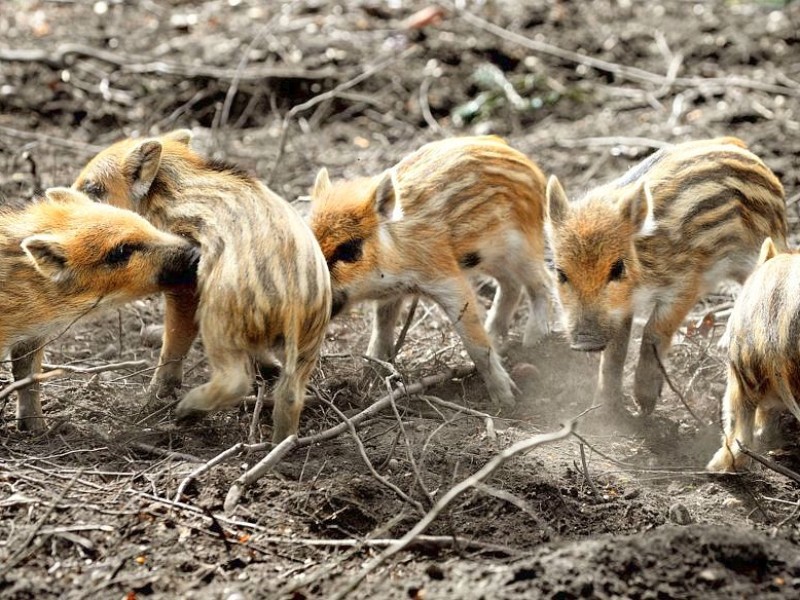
(671, 562)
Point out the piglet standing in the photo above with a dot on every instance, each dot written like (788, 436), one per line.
(263, 294)
(452, 209)
(763, 339)
(654, 242)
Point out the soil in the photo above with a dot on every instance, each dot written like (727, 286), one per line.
(87, 510)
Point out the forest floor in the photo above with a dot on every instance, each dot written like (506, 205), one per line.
(93, 509)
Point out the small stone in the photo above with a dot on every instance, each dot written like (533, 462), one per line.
(434, 572)
(523, 373)
(731, 503)
(678, 513)
(714, 578)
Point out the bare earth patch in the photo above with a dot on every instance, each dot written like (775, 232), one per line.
(90, 509)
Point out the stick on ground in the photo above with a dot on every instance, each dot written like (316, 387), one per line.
(293, 442)
(470, 482)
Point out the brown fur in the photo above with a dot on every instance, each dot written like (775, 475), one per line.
(452, 209)
(656, 240)
(763, 337)
(62, 257)
(263, 286)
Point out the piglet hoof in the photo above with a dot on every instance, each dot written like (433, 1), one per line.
(727, 461)
(610, 414)
(503, 399)
(185, 416)
(646, 394)
(31, 424)
(163, 389)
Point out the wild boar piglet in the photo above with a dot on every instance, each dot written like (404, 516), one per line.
(64, 256)
(263, 291)
(763, 340)
(654, 242)
(452, 209)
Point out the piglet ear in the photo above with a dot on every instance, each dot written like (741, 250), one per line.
(62, 194)
(385, 201)
(141, 166)
(768, 251)
(638, 209)
(322, 184)
(182, 136)
(557, 203)
(48, 256)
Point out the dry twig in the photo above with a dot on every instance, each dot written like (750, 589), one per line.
(293, 442)
(412, 308)
(675, 389)
(22, 550)
(323, 97)
(586, 477)
(623, 71)
(470, 482)
(363, 451)
(769, 463)
(59, 58)
(61, 370)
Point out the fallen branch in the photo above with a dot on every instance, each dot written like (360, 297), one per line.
(50, 140)
(409, 317)
(488, 419)
(59, 58)
(586, 477)
(61, 370)
(612, 141)
(675, 389)
(164, 452)
(22, 550)
(769, 463)
(221, 457)
(470, 482)
(329, 95)
(631, 73)
(409, 450)
(363, 451)
(293, 442)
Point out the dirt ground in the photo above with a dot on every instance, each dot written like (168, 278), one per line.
(89, 509)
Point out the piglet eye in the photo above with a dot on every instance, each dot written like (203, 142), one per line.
(562, 277)
(348, 252)
(120, 255)
(617, 271)
(94, 190)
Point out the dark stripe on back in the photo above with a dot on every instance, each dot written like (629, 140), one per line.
(717, 172)
(722, 198)
(221, 166)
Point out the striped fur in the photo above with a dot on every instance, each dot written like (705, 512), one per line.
(655, 241)
(62, 257)
(452, 209)
(263, 285)
(763, 354)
